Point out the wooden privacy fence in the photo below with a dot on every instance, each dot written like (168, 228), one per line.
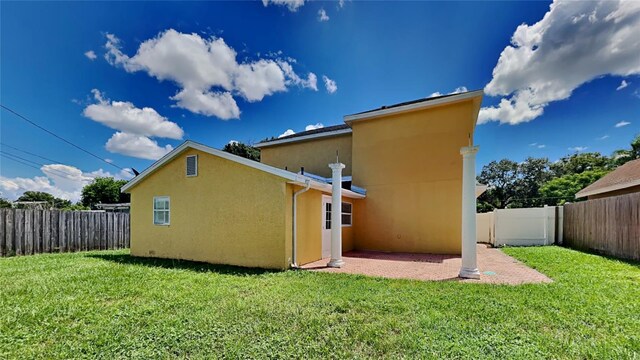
(609, 225)
(26, 232)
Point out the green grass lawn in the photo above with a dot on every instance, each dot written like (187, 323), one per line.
(110, 305)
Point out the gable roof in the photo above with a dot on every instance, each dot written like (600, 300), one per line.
(291, 177)
(412, 105)
(623, 177)
(326, 131)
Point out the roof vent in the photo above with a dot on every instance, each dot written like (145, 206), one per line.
(192, 165)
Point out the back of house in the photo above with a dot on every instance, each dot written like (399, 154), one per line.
(401, 190)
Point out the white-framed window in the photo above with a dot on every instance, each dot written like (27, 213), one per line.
(192, 165)
(161, 212)
(347, 213)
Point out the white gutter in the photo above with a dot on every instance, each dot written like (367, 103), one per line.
(294, 238)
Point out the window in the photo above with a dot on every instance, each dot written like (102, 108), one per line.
(192, 165)
(161, 210)
(327, 216)
(346, 214)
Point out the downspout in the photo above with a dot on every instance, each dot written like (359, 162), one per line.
(294, 257)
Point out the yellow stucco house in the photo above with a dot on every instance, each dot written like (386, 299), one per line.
(404, 175)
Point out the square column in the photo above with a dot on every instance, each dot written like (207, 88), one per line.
(469, 268)
(336, 215)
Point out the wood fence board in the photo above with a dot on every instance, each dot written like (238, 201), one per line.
(608, 225)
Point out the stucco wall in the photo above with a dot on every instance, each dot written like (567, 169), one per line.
(411, 167)
(629, 190)
(228, 214)
(315, 156)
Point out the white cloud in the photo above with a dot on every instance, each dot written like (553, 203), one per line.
(287, 133)
(622, 123)
(233, 142)
(322, 15)
(623, 85)
(137, 146)
(207, 71)
(60, 180)
(574, 43)
(124, 116)
(539, 146)
(311, 82)
(458, 90)
(603, 137)
(292, 5)
(340, 4)
(91, 55)
(577, 148)
(329, 84)
(313, 126)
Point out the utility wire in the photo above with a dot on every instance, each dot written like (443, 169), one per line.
(22, 160)
(63, 139)
(30, 153)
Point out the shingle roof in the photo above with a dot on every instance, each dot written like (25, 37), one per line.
(413, 102)
(625, 176)
(314, 131)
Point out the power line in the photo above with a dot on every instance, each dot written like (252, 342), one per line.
(63, 139)
(21, 159)
(30, 153)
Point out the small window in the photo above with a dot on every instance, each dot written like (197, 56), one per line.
(327, 216)
(161, 210)
(192, 165)
(346, 214)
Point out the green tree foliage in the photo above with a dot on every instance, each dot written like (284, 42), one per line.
(563, 189)
(4, 203)
(580, 162)
(501, 177)
(623, 156)
(105, 190)
(244, 150)
(51, 200)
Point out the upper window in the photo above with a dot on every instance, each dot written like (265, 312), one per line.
(346, 214)
(161, 210)
(192, 165)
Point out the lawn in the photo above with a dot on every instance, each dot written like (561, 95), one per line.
(110, 305)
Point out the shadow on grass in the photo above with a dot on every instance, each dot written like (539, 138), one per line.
(195, 266)
(634, 263)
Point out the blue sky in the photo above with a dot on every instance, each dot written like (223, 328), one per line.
(559, 78)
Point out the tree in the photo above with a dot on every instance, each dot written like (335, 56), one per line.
(560, 190)
(623, 156)
(105, 190)
(532, 173)
(501, 178)
(4, 203)
(51, 200)
(244, 150)
(580, 162)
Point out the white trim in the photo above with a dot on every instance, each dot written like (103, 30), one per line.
(302, 138)
(153, 219)
(292, 178)
(606, 189)
(350, 214)
(187, 167)
(409, 107)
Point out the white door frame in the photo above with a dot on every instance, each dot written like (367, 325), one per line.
(326, 233)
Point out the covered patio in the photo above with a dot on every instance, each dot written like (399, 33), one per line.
(495, 267)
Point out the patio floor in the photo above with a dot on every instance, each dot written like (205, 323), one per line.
(495, 267)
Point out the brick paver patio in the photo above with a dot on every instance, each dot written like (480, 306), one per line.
(495, 267)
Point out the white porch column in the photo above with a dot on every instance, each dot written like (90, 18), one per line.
(336, 215)
(469, 268)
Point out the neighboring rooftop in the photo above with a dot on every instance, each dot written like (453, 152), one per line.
(623, 177)
(326, 131)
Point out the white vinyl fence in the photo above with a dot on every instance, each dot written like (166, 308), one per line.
(520, 227)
